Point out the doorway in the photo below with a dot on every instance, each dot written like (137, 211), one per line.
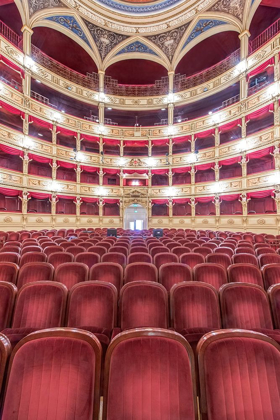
(135, 217)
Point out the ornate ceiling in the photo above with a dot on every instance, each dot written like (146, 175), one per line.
(159, 30)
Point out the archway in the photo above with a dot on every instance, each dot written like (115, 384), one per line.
(135, 217)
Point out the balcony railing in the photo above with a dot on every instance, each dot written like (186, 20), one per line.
(9, 34)
(112, 87)
(43, 99)
(265, 36)
(11, 82)
(89, 81)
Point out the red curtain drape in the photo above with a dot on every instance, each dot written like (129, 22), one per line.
(88, 168)
(181, 200)
(111, 171)
(205, 167)
(40, 122)
(260, 194)
(206, 133)
(132, 143)
(181, 170)
(39, 196)
(111, 201)
(259, 113)
(89, 138)
(261, 68)
(65, 131)
(204, 199)
(10, 150)
(133, 171)
(112, 142)
(9, 192)
(41, 159)
(160, 142)
(181, 139)
(232, 161)
(230, 197)
(260, 153)
(12, 65)
(159, 201)
(230, 126)
(67, 165)
(11, 109)
(66, 197)
(159, 171)
(89, 200)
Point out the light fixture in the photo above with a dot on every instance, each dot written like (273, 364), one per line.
(275, 178)
(29, 62)
(217, 187)
(54, 186)
(135, 182)
(63, 111)
(273, 90)
(80, 156)
(121, 161)
(102, 97)
(27, 143)
(40, 134)
(101, 191)
(170, 130)
(151, 161)
(1, 87)
(38, 81)
(101, 129)
(56, 116)
(192, 158)
(241, 67)
(242, 145)
(179, 119)
(170, 98)
(216, 118)
(170, 191)
(109, 109)
(210, 113)
(163, 109)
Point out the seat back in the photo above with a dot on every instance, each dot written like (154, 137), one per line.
(244, 250)
(245, 273)
(245, 259)
(170, 274)
(54, 373)
(92, 304)
(271, 275)
(245, 306)
(107, 272)
(237, 370)
(8, 272)
(71, 273)
(12, 257)
(88, 258)
(213, 274)
(114, 257)
(274, 297)
(194, 305)
(165, 257)
(140, 271)
(147, 360)
(37, 271)
(58, 258)
(8, 293)
(265, 259)
(40, 305)
(31, 257)
(191, 259)
(221, 259)
(98, 249)
(137, 257)
(53, 248)
(143, 304)
(31, 249)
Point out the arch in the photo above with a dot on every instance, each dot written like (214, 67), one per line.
(41, 19)
(228, 23)
(251, 13)
(135, 212)
(114, 56)
(23, 11)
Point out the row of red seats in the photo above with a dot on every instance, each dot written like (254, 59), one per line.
(149, 374)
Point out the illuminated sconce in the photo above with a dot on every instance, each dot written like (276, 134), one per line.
(135, 182)
(273, 90)
(1, 87)
(80, 156)
(151, 161)
(56, 117)
(241, 67)
(170, 130)
(101, 191)
(275, 178)
(217, 187)
(102, 97)
(27, 143)
(170, 191)
(101, 129)
(243, 146)
(122, 162)
(193, 157)
(170, 98)
(216, 118)
(54, 186)
(29, 62)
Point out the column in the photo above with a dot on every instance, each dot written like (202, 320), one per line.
(150, 147)
(170, 176)
(217, 141)
(243, 127)
(277, 199)
(276, 114)
(276, 67)
(24, 200)
(101, 108)
(170, 146)
(150, 178)
(193, 144)
(54, 167)
(244, 52)
(101, 205)
(26, 160)
(101, 75)
(25, 124)
(54, 134)
(78, 171)
(171, 75)
(217, 203)
(78, 141)
(78, 203)
(120, 204)
(121, 177)
(192, 172)
(150, 206)
(276, 155)
(26, 82)
(243, 164)
(193, 204)
(170, 207)
(216, 169)
(244, 201)
(121, 148)
(100, 144)
(101, 174)
(170, 113)
(53, 201)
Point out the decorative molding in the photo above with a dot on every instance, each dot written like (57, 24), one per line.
(104, 40)
(69, 22)
(169, 41)
(137, 47)
(36, 5)
(201, 27)
(232, 7)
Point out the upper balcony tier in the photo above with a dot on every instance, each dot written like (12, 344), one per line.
(120, 96)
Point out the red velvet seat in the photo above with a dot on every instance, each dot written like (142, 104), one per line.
(8, 293)
(245, 273)
(71, 273)
(66, 245)
(274, 297)
(8, 272)
(114, 257)
(5, 351)
(31, 249)
(209, 245)
(107, 272)
(155, 245)
(158, 250)
(265, 259)
(195, 310)
(224, 250)
(143, 304)
(229, 245)
(180, 250)
(91, 241)
(105, 244)
(150, 374)
(246, 306)
(192, 259)
(139, 249)
(92, 306)
(13, 236)
(58, 258)
(100, 250)
(244, 250)
(170, 274)
(54, 374)
(53, 248)
(245, 259)
(33, 257)
(165, 257)
(88, 258)
(139, 257)
(239, 376)
(213, 274)
(76, 241)
(222, 259)
(8, 248)
(31, 272)
(271, 275)
(75, 250)
(140, 271)
(266, 250)
(38, 306)
(202, 250)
